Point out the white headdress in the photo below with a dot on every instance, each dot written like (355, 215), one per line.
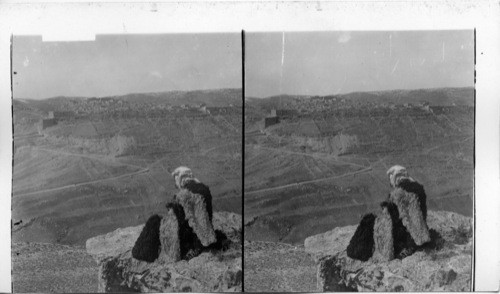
(396, 173)
(180, 174)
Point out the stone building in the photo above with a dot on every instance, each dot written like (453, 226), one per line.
(269, 121)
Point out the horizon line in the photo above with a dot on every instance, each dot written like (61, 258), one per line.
(353, 92)
(121, 95)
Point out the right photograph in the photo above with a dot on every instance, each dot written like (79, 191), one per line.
(359, 161)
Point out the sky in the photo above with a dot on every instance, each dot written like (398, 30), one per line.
(122, 64)
(325, 63)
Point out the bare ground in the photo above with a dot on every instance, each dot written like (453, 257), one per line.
(278, 267)
(44, 268)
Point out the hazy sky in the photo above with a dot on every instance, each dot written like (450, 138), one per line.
(121, 64)
(321, 63)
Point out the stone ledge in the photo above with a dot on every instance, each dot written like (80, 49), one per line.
(211, 271)
(445, 264)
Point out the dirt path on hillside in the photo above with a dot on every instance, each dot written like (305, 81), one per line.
(84, 183)
(90, 156)
(204, 152)
(106, 160)
(309, 182)
(94, 157)
(316, 156)
(322, 157)
(448, 143)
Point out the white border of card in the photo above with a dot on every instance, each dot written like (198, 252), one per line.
(77, 21)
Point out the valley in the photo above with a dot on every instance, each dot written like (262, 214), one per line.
(106, 162)
(324, 164)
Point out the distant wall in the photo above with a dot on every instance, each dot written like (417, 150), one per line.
(46, 123)
(286, 113)
(269, 121)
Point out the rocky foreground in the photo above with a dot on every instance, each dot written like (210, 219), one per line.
(211, 271)
(444, 264)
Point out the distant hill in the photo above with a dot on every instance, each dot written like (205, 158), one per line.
(211, 98)
(273, 101)
(215, 98)
(436, 97)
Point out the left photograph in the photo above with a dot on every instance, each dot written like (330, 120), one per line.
(127, 164)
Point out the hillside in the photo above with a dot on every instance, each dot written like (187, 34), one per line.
(106, 162)
(435, 96)
(212, 98)
(323, 165)
(215, 98)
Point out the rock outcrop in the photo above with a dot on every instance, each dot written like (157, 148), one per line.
(214, 270)
(443, 264)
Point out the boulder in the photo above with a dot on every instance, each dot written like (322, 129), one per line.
(114, 243)
(444, 264)
(211, 271)
(330, 242)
